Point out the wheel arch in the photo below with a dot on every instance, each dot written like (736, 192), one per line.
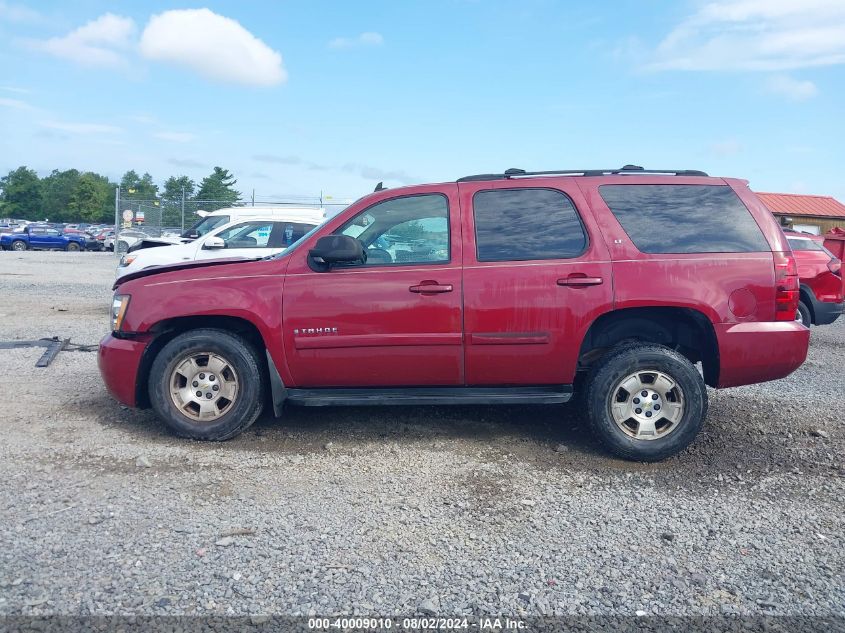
(686, 330)
(166, 330)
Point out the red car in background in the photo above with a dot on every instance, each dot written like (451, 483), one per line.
(820, 274)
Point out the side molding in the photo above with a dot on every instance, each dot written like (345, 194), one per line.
(277, 388)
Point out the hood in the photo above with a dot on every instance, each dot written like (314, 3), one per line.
(168, 268)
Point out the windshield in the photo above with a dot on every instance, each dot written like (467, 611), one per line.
(205, 225)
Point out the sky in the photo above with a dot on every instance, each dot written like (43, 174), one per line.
(298, 98)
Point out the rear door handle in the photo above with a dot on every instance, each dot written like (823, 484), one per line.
(580, 282)
(430, 287)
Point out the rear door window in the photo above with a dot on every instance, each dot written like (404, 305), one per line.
(684, 218)
(526, 224)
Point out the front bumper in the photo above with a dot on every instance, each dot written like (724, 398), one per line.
(826, 313)
(119, 360)
(760, 351)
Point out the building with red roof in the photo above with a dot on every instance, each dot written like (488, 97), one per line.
(813, 214)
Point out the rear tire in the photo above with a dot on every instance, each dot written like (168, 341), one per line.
(645, 402)
(213, 363)
(803, 315)
(19, 245)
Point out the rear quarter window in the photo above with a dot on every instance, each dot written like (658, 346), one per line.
(684, 218)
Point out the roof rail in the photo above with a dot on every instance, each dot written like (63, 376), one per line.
(627, 169)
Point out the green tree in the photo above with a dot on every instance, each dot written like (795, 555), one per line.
(55, 192)
(90, 199)
(219, 188)
(138, 187)
(20, 194)
(174, 185)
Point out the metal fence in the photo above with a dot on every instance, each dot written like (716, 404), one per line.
(160, 217)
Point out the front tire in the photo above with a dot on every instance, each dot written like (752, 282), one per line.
(73, 247)
(646, 402)
(207, 385)
(19, 245)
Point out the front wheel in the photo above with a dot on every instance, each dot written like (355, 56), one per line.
(73, 247)
(646, 402)
(207, 384)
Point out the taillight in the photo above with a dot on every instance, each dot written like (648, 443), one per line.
(786, 286)
(835, 266)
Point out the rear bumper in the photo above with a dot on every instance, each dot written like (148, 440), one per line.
(119, 360)
(760, 351)
(826, 313)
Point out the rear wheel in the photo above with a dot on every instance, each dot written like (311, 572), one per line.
(207, 384)
(802, 315)
(19, 245)
(646, 402)
(73, 246)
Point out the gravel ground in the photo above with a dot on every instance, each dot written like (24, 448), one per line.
(484, 510)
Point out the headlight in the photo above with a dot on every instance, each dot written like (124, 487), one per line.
(118, 311)
(127, 259)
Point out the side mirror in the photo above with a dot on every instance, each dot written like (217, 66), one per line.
(214, 242)
(337, 249)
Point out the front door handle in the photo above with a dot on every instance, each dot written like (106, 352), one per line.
(579, 281)
(430, 287)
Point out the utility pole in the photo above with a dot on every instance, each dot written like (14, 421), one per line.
(116, 217)
(253, 197)
(183, 208)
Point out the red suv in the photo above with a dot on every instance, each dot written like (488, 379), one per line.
(500, 288)
(820, 275)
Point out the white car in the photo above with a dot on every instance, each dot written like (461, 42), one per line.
(250, 238)
(125, 239)
(210, 220)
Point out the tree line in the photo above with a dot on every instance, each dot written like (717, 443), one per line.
(72, 195)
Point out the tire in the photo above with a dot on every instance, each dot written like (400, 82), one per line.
(803, 315)
(19, 245)
(226, 417)
(73, 247)
(677, 391)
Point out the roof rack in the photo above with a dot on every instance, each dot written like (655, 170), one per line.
(627, 169)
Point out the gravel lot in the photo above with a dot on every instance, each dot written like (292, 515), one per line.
(483, 510)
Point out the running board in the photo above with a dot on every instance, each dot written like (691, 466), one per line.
(329, 397)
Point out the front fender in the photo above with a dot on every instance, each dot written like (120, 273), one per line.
(251, 291)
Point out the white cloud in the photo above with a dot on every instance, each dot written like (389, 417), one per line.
(755, 35)
(101, 42)
(728, 147)
(18, 13)
(364, 39)
(177, 137)
(212, 45)
(794, 89)
(20, 91)
(17, 104)
(81, 128)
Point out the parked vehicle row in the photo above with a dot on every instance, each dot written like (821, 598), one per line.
(604, 285)
(43, 238)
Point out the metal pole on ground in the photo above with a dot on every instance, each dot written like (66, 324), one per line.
(183, 209)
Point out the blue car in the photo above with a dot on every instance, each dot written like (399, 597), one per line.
(41, 238)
